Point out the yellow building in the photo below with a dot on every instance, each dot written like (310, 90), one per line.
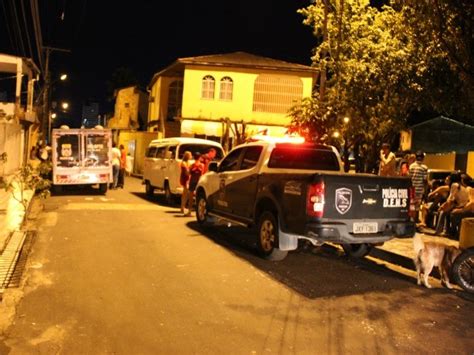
(131, 105)
(224, 95)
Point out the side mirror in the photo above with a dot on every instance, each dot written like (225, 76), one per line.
(213, 166)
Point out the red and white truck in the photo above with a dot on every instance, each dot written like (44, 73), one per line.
(81, 157)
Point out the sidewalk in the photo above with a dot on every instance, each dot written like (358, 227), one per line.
(12, 214)
(400, 251)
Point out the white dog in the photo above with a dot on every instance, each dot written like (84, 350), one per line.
(431, 254)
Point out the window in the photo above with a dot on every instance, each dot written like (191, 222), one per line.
(303, 157)
(151, 152)
(172, 151)
(276, 93)
(200, 149)
(251, 156)
(175, 100)
(231, 161)
(160, 152)
(227, 86)
(207, 91)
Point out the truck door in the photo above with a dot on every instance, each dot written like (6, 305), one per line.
(243, 187)
(222, 200)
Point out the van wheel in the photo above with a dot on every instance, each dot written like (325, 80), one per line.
(168, 194)
(357, 250)
(103, 189)
(268, 238)
(149, 189)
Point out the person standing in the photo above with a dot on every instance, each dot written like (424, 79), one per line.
(388, 161)
(186, 199)
(195, 171)
(123, 163)
(115, 155)
(419, 174)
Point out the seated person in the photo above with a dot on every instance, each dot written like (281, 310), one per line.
(434, 199)
(458, 198)
(458, 214)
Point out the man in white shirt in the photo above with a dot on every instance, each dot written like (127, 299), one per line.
(115, 155)
(388, 161)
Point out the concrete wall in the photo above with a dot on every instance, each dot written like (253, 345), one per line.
(129, 103)
(11, 143)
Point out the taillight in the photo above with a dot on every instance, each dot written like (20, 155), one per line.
(315, 200)
(412, 207)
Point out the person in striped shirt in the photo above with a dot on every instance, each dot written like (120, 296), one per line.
(418, 174)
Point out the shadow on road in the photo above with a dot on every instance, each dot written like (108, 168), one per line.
(312, 272)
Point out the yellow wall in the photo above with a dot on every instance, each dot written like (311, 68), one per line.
(440, 161)
(158, 108)
(241, 105)
(142, 140)
(470, 164)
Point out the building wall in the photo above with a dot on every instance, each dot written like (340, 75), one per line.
(241, 105)
(158, 106)
(128, 104)
(135, 144)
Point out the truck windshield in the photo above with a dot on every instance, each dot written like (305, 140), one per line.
(305, 158)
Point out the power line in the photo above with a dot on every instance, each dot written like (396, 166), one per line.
(26, 27)
(37, 29)
(18, 27)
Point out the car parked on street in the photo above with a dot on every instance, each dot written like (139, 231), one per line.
(298, 191)
(162, 162)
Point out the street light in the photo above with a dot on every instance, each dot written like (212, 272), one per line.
(63, 77)
(65, 105)
(346, 119)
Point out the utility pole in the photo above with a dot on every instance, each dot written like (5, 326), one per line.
(46, 93)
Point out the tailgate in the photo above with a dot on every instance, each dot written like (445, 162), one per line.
(361, 196)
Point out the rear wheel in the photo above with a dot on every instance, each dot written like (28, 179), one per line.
(103, 188)
(357, 250)
(267, 240)
(463, 270)
(149, 189)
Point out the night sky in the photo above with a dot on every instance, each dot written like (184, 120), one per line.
(146, 36)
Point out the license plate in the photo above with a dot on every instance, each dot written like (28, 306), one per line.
(365, 227)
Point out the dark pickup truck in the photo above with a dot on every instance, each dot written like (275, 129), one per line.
(293, 191)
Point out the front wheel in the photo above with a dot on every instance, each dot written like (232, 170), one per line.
(267, 240)
(463, 270)
(201, 209)
(357, 250)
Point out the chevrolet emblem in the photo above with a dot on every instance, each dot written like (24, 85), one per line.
(369, 201)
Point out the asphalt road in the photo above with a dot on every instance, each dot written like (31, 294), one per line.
(122, 274)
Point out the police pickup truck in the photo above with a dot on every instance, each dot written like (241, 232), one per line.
(298, 191)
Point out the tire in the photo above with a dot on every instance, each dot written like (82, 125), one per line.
(57, 189)
(149, 189)
(201, 209)
(168, 194)
(103, 188)
(463, 270)
(357, 250)
(267, 238)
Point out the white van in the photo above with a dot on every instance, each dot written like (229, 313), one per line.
(162, 163)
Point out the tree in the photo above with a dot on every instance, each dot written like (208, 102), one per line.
(443, 33)
(371, 74)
